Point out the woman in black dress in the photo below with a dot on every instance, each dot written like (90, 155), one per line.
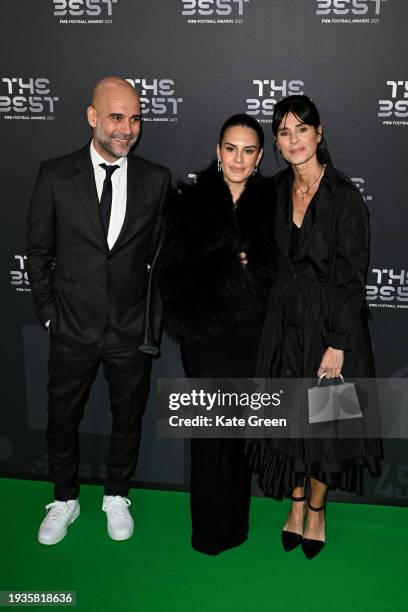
(316, 321)
(215, 268)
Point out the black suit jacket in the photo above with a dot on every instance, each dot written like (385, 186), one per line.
(76, 281)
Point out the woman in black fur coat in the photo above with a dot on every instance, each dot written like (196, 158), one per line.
(215, 270)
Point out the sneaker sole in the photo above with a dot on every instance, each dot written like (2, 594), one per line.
(119, 538)
(62, 536)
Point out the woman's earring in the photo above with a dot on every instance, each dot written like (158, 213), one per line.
(255, 170)
(219, 167)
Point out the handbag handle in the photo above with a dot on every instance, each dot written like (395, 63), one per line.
(323, 376)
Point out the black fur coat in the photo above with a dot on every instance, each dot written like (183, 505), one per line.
(204, 287)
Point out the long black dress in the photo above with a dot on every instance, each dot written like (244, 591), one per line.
(214, 307)
(317, 300)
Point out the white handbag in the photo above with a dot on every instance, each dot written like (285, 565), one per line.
(335, 402)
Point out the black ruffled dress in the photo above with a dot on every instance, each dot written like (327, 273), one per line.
(316, 301)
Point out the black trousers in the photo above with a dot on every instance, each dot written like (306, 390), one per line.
(71, 375)
(220, 494)
(220, 476)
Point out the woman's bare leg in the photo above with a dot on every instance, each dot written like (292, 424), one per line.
(315, 521)
(296, 515)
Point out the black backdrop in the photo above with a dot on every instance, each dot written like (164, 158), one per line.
(195, 63)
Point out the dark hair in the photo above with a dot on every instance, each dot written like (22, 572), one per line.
(306, 111)
(246, 121)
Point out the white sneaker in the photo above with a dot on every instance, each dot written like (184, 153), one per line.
(120, 522)
(59, 516)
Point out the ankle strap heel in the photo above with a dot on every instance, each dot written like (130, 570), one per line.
(290, 539)
(314, 509)
(311, 547)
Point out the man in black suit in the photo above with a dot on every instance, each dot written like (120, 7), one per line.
(93, 228)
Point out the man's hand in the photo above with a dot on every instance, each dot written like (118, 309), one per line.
(243, 258)
(332, 363)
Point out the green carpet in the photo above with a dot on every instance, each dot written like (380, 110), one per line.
(364, 566)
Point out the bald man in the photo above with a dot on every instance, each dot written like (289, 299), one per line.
(93, 229)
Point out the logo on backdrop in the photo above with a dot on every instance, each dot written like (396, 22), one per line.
(214, 11)
(393, 109)
(393, 481)
(158, 99)
(388, 288)
(84, 11)
(267, 93)
(349, 11)
(360, 184)
(26, 98)
(18, 276)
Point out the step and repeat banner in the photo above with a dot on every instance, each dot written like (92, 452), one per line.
(195, 63)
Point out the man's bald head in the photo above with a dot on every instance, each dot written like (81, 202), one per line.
(111, 86)
(114, 115)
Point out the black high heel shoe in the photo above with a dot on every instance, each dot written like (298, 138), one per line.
(311, 547)
(291, 540)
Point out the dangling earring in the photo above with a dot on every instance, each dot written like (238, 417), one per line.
(255, 170)
(219, 167)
